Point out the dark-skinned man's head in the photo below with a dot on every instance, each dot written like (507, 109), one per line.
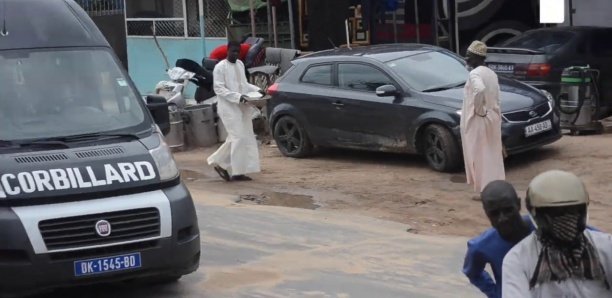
(476, 54)
(502, 206)
(233, 51)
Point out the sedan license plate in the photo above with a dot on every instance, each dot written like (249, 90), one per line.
(107, 264)
(537, 128)
(501, 68)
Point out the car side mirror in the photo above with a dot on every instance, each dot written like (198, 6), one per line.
(158, 106)
(387, 90)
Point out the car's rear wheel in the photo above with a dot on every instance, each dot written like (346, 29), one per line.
(440, 148)
(291, 138)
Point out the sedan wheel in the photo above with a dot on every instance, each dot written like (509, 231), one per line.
(440, 148)
(291, 138)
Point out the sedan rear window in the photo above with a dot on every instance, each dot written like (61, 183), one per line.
(319, 74)
(546, 41)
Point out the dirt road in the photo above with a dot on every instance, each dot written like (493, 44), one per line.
(402, 188)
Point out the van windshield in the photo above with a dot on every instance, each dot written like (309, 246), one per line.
(64, 92)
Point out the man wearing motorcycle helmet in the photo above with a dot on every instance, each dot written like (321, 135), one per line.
(562, 258)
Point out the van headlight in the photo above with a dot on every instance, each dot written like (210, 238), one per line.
(549, 96)
(166, 166)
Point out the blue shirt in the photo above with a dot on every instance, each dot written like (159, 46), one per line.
(489, 248)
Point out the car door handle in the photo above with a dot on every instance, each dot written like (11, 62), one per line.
(338, 104)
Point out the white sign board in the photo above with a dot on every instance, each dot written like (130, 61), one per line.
(552, 11)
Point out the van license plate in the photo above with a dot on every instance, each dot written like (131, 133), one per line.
(537, 128)
(107, 264)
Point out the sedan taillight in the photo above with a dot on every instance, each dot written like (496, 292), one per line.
(534, 70)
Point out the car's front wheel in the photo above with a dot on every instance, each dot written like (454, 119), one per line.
(440, 148)
(291, 138)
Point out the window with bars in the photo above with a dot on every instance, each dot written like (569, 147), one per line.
(175, 18)
(167, 18)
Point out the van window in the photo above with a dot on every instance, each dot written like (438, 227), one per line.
(55, 93)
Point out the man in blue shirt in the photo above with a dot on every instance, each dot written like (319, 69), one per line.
(502, 206)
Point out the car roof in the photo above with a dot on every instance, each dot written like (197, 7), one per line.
(381, 52)
(570, 28)
(47, 24)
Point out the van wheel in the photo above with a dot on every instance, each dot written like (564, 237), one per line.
(291, 138)
(440, 148)
(163, 279)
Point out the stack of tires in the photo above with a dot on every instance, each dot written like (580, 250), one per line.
(494, 21)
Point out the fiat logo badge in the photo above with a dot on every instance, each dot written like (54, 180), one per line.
(103, 228)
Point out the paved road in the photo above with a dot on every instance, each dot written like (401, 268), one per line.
(264, 251)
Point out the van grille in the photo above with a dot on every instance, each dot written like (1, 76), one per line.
(520, 116)
(99, 152)
(80, 231)
(41, 158)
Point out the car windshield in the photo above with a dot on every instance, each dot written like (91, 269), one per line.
(56, 93)
(546, 41)
(430, 71)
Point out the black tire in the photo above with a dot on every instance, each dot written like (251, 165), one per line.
(440, 148)
(475, 13)
(161, 279)
(291, 138)
(500, 31)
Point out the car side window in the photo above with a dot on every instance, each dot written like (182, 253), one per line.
(361, 77)
(601, 44)
(318, 74)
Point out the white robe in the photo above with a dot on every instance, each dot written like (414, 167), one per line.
(239, 154)
(521, 260)
(481, 135)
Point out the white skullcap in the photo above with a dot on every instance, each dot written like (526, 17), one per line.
(478, 48)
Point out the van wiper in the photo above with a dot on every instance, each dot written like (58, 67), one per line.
(91, 136)
(5, 143)
(442, 88)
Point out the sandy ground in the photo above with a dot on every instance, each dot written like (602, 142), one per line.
(402, 188)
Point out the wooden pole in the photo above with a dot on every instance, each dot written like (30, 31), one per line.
(290, 4)
(274, 26)
(252, 8)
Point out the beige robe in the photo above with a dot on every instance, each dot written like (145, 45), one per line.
(481, 129)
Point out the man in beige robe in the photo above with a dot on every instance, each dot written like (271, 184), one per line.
(481, 122)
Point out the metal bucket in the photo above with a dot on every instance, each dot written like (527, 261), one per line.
(201, 125)
(176, 137)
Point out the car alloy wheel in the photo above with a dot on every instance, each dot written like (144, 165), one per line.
(291, 138)
(440, 148)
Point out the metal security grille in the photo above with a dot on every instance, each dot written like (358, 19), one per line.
(169, 18)
(79, 231)
(216, 16)
(102, 7)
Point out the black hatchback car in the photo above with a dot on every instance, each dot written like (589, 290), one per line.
(396, 98)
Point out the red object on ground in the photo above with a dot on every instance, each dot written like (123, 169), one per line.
(220, 52)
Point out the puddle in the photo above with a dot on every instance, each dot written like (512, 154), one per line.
(189, 175)
(281, 199)
(458, 179)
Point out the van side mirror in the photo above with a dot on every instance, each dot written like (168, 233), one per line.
(387, 90)
(158, 106)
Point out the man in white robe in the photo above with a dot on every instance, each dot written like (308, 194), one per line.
(239, 155)
(481, 122)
